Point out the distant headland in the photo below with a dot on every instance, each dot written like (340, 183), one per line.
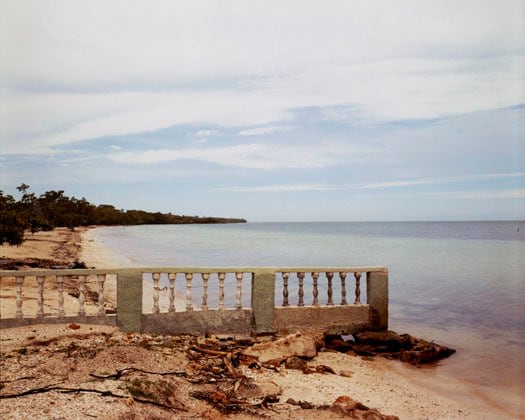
(54, 209)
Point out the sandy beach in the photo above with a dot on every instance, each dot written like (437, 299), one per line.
(389, 386)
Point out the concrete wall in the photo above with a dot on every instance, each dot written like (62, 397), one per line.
(322, 319)
(262, 317)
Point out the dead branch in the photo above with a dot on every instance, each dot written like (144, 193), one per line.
(121, 372)
(103, 393)
(230, 368)
(210, 352)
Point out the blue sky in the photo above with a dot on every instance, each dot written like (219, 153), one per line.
(272, 111)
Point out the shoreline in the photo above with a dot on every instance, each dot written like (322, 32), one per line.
(94, 253)
(389, 386)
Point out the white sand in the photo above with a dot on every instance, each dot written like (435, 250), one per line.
(94, 253)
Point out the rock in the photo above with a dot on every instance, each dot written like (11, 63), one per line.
(295, 362)
(292, 345)
(344, 405)
(425, 353)
(257, 390)
(348, 407)
(78, 265)
(386, 339)
(211, 414)
(391, 345)
(73, 326)
(346, 373)
(336, 342)
(364, 349)
(305, 405)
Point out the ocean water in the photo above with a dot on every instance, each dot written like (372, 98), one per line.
(459, 283)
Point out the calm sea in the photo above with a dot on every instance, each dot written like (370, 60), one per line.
(460, 283)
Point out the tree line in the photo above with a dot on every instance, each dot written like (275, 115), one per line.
(54, 209)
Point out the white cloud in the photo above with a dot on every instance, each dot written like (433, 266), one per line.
(441, 180)
(490, 194)
(480, 195)
(204, 134)
(258, 131)
(281, 188)
(57, 119)
(255, 156)
(73, 71)
(505, 193)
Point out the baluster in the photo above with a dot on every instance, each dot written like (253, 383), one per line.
(172, 276)
(40, 298)
(285, 289)
(81, 295)
(60, 289)
(222, 276)
(315, 277)
(330, 292)
(357, 288)
(101, 278)
(19, 283)
(239, 276)
(156, 278)
(342, 276)
(205, 278)
(300, 277)
(189, 304)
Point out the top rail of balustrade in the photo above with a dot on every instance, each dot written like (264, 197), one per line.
(184, 269)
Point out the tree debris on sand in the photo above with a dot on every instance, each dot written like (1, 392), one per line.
(147, 376)
(28, 263)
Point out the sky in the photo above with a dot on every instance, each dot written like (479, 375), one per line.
(268, 110)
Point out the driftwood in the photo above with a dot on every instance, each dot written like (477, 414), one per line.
(103, 393)
(122, 372)
(226, 404)
(210, 352)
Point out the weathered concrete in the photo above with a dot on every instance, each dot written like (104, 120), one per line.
(199, 322)
(263, 293)
(110, 320)
(377, 298)
(262, 317)
(319, 319)
(129, 300)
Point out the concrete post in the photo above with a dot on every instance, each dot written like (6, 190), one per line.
(129, 300)
(377, 298)
(263, 302)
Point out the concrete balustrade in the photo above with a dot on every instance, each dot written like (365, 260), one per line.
(197, 300)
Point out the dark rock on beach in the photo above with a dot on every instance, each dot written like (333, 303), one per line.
(391, 345)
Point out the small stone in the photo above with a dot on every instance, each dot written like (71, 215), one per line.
(211, 414)
(295, 362)
(257, 390)
(344, 405)
(73, 326)
(346, 373)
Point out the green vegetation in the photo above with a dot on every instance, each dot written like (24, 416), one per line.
(54, 209)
